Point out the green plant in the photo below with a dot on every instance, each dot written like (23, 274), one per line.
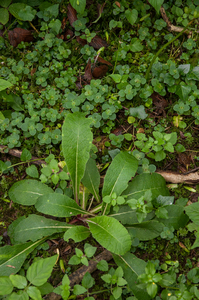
(33, 284)
(117, 195)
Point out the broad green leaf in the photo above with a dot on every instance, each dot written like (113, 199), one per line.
(152, 289)
(183, 91)
(160, 155)
(55, 26)
(15, 9)
(176, 217)
(184, 68)
(32, 171)
(156, 4)
(131, 15)
(145, 231)
(116, 77)
(18, 281)
(6, 286)
(121, 170)
(12, 257)
(143, 182)
(135, 45)
(138, 112)
(27, 13)
(21, 296)
(4, 84)
(76, 144)
(128, 216)
(132, 267)
(4, 16)
(25, 155)
(78, 234)
(168, 278)
(27, 191)
(91, 179)
(58, 205)
(193, 212)
(35, 227)
(88, 281)
(78, 290)
(46, 288)
(5, 3)
(34, 293)
(110, 234)
(78, 5)
(39, 272)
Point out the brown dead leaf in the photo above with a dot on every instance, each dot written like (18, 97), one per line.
(184, 160)
(182, 135)
(33, 71)
(72, 14)
(97, 43)
(100, 71)
(81, 41)
(88, 74)
(183, 246)
(140, 130)
(63, 23)
(117, 3)
(18, 35)
(160, 104)
(117, 131)
(68, 32)
(103, 61)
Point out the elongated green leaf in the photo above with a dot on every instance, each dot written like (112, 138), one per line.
(12, 257)
(143, 182)
(39, 272)
(4, 84)
(91, 179)
(145, 231)
(110, 234)
(121, 170)
(35, 227)
(76, 144)
(58, 205)
(4, 16)
(27, 191)
(132, 267)
(78, 234)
